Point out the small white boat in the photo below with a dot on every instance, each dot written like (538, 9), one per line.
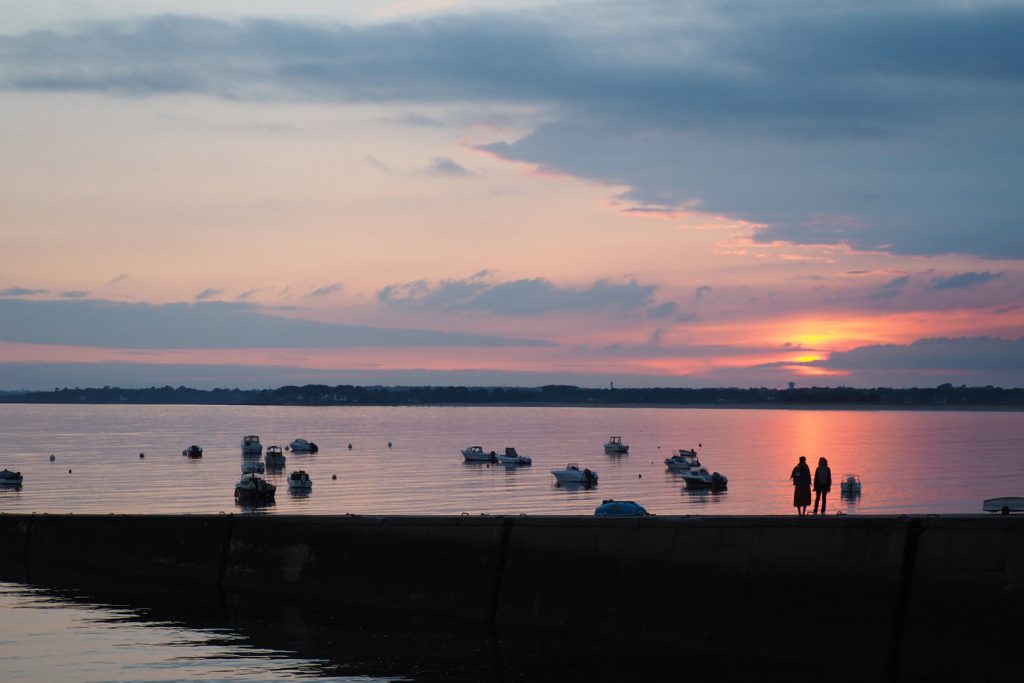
(251, 445)
(274, 456)
(303, 446)
(700, 478)
(252, 466)
(9, 478)
(478, 454)
(572, 474)
(510, 457)
(1004, 505)
(192, 451)
(615, 446)
(253, 488)
(683, 461)
(849, 485)
(299, 481)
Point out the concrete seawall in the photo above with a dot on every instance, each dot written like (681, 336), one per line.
(897, 598)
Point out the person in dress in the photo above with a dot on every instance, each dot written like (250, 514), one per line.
(801, 477)
(822, 484)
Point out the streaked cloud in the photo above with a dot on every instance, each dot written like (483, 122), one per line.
(443, 166)
(518, 297)
(963, 355)
(209, 293)
(326, 290)
(962, 280)
(21, 291)
(206, 324)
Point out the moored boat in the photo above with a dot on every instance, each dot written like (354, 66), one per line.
(1004, 505)
(9, 478)
(303, 446)
(274, 457)
(253, 488)
(683, 461)
(192, 451)
(478, 454)
(572, 474)
(253, 466)
(849, 485)
(299, 481)
(615, 446)
(251, 445)
(511, 457)
(700, 478)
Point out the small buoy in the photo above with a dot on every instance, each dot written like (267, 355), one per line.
(639, 476)
(334, 476)
(69, 471)
(350, 446)
(52, 457)
(389, 444)
(142, 455)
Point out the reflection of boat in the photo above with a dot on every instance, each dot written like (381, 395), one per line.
(684, 460)
(849, 485)
(192, 451)
(274, 456)
(299, 481)
(615, 446)
(252, 466)
(572, 474)
(253, 488)
(303, 446)
(619, 508)
(8, 478)
(510, 457)
(478, 454)
(700, 478)
(1004, 505)
(251, 445)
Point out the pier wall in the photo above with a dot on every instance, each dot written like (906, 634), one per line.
(900, 598)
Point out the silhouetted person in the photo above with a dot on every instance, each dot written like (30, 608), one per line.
(801, 477)
(822, 484)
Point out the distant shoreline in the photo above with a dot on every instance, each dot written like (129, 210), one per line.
(862, 407)
(942, 397)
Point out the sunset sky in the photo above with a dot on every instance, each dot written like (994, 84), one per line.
(697, 193)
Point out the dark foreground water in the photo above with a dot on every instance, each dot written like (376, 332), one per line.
(120, 633)
(909, 461)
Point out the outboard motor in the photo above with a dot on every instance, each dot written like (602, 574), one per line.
(313, 448)
(590, 475)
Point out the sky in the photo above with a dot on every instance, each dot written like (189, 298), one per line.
(728, 193)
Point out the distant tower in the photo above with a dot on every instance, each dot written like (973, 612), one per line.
(792, 386)
(611, 385)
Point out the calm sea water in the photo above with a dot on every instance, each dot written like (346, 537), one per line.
(908, 461)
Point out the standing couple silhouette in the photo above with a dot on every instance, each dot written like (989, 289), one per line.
(801, 477)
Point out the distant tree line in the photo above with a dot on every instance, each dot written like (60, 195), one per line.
(552, 394)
